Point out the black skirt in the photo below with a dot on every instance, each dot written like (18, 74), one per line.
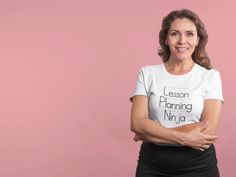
(176, 161)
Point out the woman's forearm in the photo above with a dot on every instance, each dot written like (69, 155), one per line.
(152, 131)
(152, 136)
(189, 135)
(209, 129)
(188, 127)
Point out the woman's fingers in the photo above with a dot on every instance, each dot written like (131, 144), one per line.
(206, 146)
(202, 148)
(210, 137)
(136, 137)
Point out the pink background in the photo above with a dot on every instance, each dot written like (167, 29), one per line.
(67, 68)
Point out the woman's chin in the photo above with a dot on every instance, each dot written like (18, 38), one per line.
(181, 58)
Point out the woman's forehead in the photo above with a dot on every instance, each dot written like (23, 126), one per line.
(183, 24)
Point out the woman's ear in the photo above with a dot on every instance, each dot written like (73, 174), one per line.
(197, 41)
(166, 43)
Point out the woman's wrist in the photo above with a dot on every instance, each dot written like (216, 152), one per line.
(178, 137)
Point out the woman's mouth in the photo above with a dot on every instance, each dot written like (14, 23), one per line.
(181, 49)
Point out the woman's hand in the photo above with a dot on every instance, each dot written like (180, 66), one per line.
(196, 139)
(137, 137)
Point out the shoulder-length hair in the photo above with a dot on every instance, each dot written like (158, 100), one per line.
(199, 55)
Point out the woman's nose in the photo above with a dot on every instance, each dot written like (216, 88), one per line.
(182, 39)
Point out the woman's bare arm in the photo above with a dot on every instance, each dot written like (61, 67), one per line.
(152, 131)
(147, 128)
(210, 117)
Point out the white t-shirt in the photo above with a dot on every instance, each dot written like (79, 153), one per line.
(176, 100)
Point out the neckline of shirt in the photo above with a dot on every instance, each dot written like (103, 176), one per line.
(178, 75)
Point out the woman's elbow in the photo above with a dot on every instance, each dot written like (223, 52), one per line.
(135, 126)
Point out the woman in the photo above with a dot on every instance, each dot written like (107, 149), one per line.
(176, 105)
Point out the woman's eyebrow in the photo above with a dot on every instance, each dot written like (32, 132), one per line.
(185, 31)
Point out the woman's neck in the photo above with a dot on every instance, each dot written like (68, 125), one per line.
(179, 67)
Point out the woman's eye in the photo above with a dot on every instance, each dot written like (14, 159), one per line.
(190, 34)
(173, 34)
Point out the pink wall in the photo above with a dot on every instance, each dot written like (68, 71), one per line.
(67, 69)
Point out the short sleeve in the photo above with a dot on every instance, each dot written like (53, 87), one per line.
(140, 88)
(214, 90)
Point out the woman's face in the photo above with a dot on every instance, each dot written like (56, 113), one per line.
(182, 39)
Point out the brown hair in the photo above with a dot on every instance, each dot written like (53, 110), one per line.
(199, 55)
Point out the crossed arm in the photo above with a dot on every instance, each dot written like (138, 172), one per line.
(196, 135)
